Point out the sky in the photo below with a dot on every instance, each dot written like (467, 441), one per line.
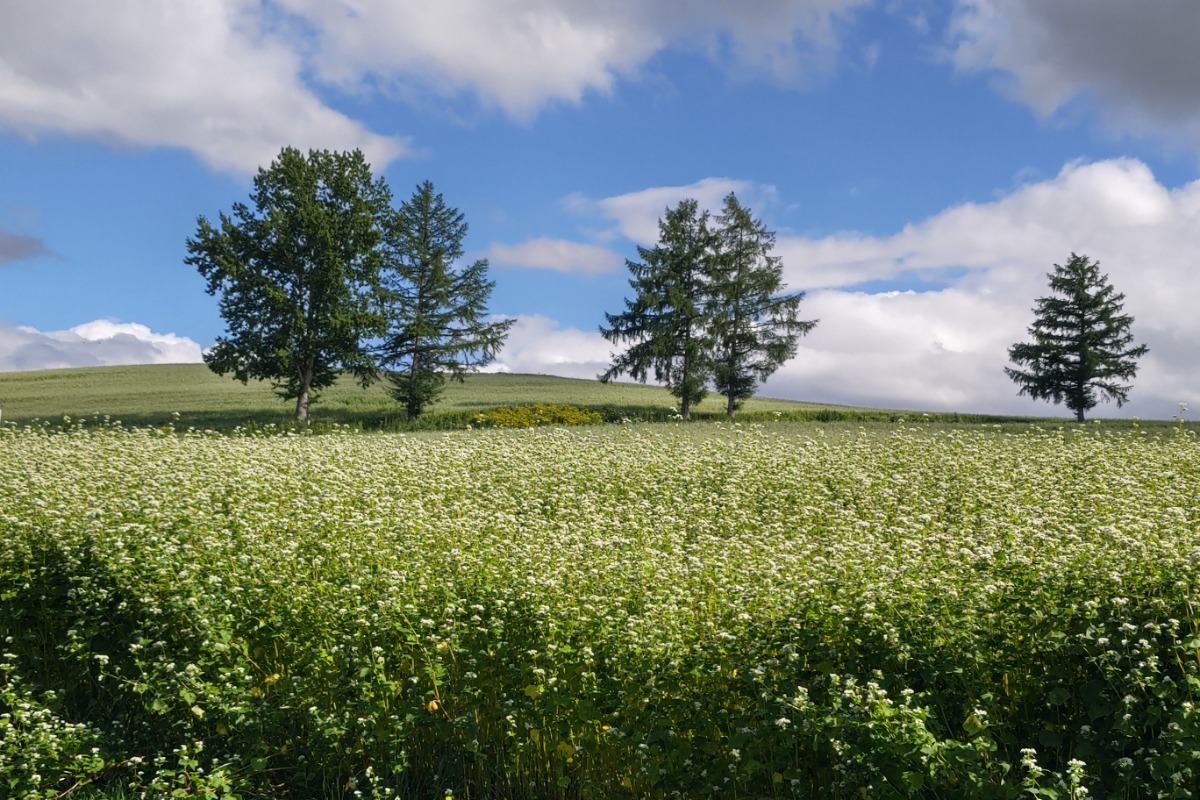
(924, 164)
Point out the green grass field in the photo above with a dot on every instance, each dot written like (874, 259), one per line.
(141, 396)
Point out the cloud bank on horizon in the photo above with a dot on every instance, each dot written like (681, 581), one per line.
(99, 343)
(919, 317)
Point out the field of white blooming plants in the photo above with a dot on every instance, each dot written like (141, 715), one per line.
(640, 611)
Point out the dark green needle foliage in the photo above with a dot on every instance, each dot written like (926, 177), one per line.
(297, 272)
(754, 327)
(1082, 348)
(666, 323)
(708, 308)
(439, 322)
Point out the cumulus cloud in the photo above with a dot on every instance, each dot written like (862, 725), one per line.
(1137, 61)
(15, 247)
(558, 255)
(540, 345)
(221, 78)
(519, 54)
(937, 351)
(965, 282)
(1113, 208)
(93, 344)
(235, 80)
(636, 214)
(945, 348)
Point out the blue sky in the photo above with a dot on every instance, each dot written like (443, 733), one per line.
(924, 164)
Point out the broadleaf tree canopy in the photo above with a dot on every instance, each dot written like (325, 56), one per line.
(298, 274)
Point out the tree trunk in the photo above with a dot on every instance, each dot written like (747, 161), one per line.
(1079, 416)
(730, 405)
(302, 405)
(685, 407)
(306, 374)
(410, 405)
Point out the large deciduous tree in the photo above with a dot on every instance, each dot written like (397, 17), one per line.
(1082, 347)
(754, 328)
(439, 324)
(667, 320)
(298, 274)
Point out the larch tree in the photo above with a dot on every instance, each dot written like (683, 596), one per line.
(666, 322)
(439, 324)
(298, 272)
(754, 325)
(1082, 347)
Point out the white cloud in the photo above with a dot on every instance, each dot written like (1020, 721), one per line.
(93, 344)
(235, 80)
(539, 345)
(636, 214)
(557, 255)
(945, 349)
(216, 77)
(519, 54)
(1136, 61)
(980, 266)
(933, 351)
(1111, 208)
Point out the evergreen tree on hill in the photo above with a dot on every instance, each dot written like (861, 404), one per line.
(439, 324)
(667, 320)
(1082, 348)
(708, 308)
(754, 328)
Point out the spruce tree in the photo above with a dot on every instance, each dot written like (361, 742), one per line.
(439, 323)
(667, 320)
(754, 328)
(1082, 347)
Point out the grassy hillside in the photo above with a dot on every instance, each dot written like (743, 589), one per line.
(149, 395)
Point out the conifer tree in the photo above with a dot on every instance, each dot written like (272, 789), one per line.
(667, 320)
(1082, 346)
(754, 328)
(439, 324)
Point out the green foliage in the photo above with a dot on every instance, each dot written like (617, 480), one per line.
(42, 755)
(707, 309)
(532, 416)
(1081, 344)
(754, 328)
(667, 320)
(557, 613)
(298, 275)
(438, 322)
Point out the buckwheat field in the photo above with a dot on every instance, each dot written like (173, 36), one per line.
(639, 611)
